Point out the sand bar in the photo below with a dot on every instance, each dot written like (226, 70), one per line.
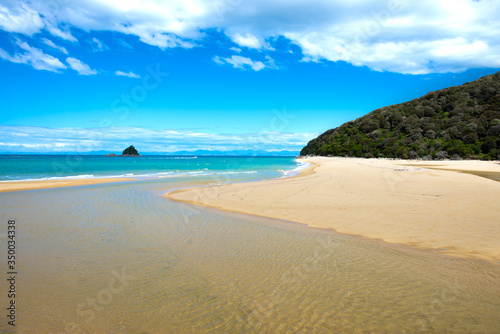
(436, 205)
(29, 185)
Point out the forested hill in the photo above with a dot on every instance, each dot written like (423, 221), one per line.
(456, 122)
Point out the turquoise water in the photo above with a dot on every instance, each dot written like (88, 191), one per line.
(29, 167)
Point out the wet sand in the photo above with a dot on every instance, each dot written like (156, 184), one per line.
(450, 206)
(30, 185)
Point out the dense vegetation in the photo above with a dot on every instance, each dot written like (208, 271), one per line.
(456, 122)
(130, 151)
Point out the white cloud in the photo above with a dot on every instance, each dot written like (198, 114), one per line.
(21, 19)
(251, 41)
(129, 74)
(54, 46)
(161, 40)
(244, 62)
(64, 34)
(394, 35)
(124, 44)
(412, 38)
(240, 62)
(38, 139)
(248, 40)
(270, 63)
(218, 60)
(98, 45)
(80, 67)
(34, 57)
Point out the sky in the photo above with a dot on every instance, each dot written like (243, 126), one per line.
(223, 75)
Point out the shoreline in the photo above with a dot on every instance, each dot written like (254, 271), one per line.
(303, 172)
(46, 184)
(440, 205)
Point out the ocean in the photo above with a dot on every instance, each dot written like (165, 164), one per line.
(52, 167)
(121, 258)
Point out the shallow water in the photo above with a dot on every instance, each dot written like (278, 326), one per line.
(495, 176)
(120, 258)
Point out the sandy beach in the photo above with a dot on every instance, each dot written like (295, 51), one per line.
(29, 185)
(450, 206)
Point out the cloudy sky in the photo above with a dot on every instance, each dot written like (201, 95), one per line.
(235, 74)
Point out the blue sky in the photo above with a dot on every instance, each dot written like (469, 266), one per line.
(268, 75)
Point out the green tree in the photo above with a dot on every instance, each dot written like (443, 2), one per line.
(456, 122)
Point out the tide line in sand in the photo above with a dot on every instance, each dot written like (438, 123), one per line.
(42, 184)
(393, 200)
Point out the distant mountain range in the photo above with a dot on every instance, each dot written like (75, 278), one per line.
(460, 122)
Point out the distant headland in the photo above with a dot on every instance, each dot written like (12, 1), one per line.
(460, 122)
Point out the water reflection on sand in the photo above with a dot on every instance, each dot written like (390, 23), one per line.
(120, 258)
